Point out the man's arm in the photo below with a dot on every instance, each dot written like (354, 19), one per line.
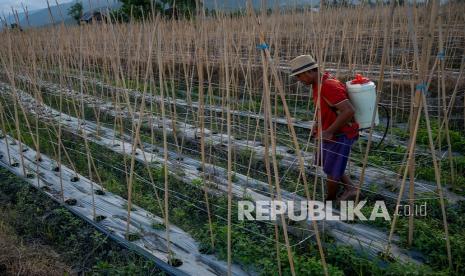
(346, 112)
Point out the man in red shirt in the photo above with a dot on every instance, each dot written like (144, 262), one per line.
(339, 129)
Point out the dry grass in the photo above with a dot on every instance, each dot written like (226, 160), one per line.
(18, 257)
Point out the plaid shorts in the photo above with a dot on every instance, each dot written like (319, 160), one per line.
(335, 156)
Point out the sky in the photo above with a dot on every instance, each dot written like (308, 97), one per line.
(5, 5)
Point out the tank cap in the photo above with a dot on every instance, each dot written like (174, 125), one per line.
(359, 79)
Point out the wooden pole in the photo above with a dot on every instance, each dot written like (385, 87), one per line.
(226, 42)
(266, 57)
(387, 29)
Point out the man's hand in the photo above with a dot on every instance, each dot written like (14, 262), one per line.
(327, 135)
(346, 113)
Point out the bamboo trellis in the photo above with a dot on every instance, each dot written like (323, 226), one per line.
(201, 94)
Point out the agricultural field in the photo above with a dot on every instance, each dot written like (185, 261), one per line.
(127, 147)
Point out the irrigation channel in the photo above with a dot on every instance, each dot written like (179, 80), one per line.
(153, 130)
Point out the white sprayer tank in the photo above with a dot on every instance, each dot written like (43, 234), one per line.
(362, 95)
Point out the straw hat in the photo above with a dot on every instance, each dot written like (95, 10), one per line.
(302, 64)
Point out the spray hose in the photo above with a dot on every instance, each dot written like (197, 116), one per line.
(388, 121)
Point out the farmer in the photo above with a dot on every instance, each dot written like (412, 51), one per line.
(337, 119)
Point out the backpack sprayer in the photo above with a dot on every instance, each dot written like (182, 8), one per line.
(362, 95)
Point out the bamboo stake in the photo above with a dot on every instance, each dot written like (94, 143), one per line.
(266, 58)
(378, 98)
(442, 96)
(84, 133)
(404, 178)
(437, 175)
(165, 144)
(5, 133)
(135, 142)
(16, 101)
(267, 107)
(420, 100)
(202, 140)
(226, 41)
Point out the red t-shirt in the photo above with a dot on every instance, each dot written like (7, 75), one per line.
(333, 92)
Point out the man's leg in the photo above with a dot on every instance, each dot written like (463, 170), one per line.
(335, 157)
(350, 191)
(332, 186)
(347, 182)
